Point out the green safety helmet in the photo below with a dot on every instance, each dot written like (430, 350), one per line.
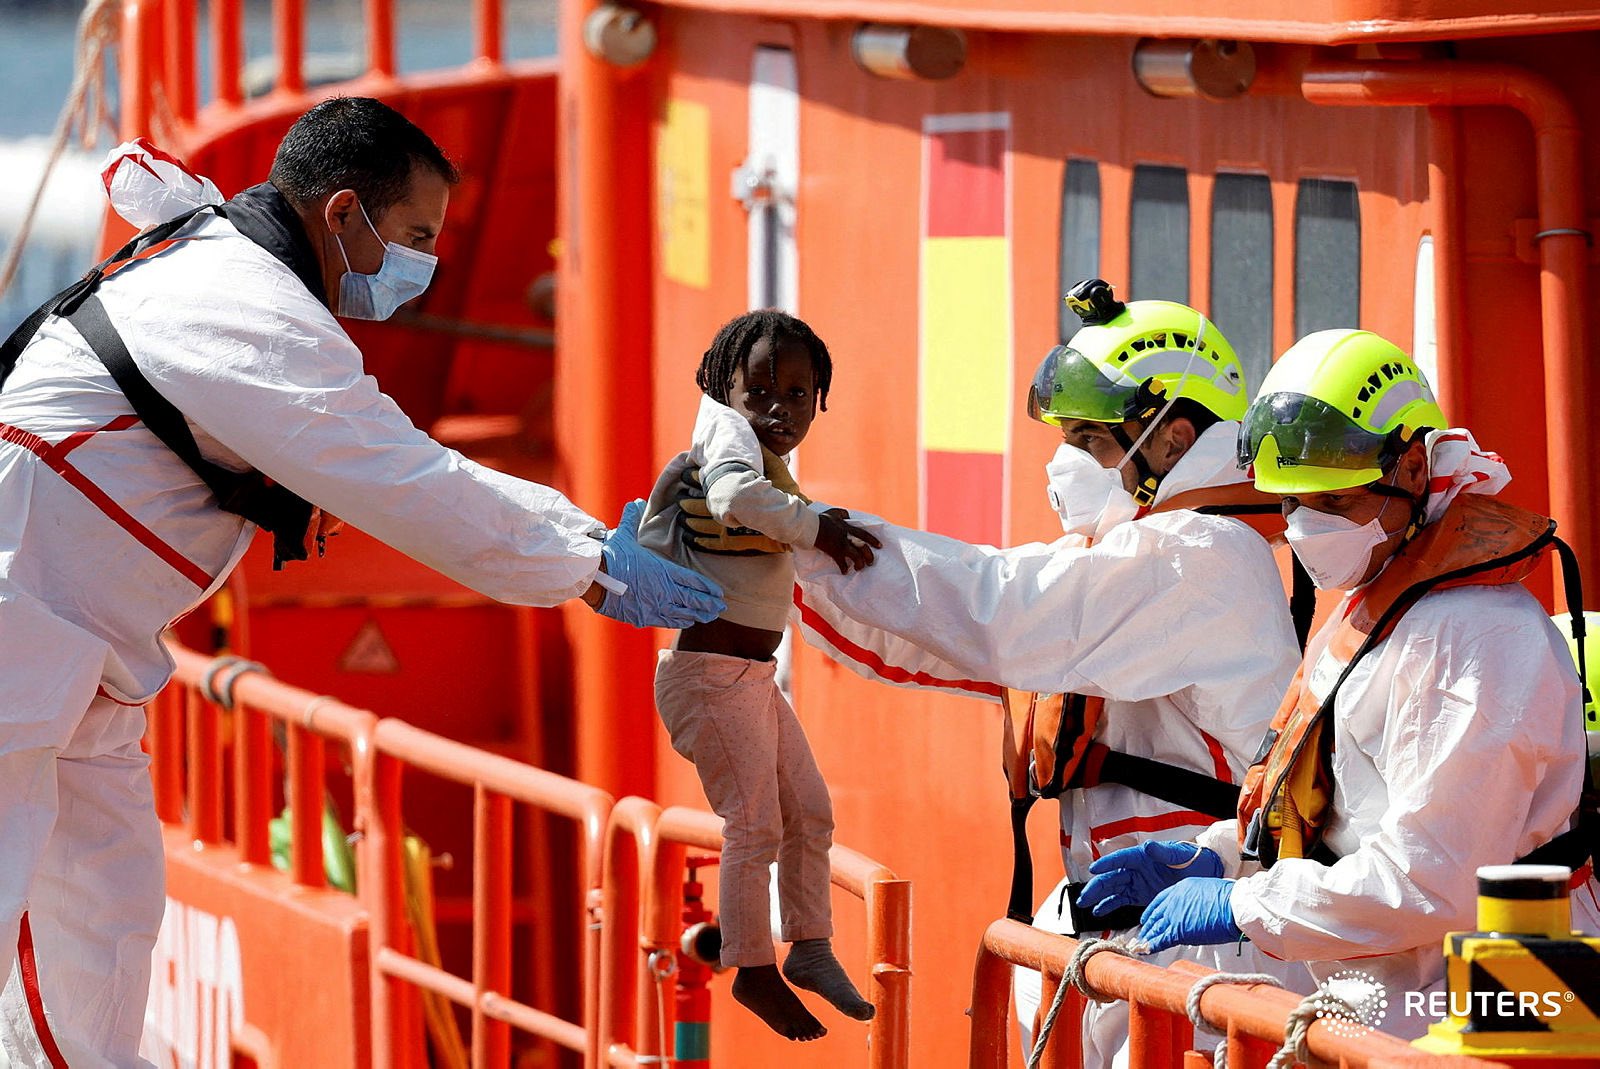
(1335, 411)
(1127, 358)
(1591, 656)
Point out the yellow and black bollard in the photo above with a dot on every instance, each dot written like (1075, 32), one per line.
(1523, 989)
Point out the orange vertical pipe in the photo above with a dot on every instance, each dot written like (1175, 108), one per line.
(488, 20)
(306, 765)
(991, 999)
(1563, 244)
(205, 785)
(227, 50)
(630, 848)
(605, 349)
(595, 820)
(166, 750)
(252, 785)
(137, 58)
(1454, 388)
(377, 800)
(491, 922)
(661, 899)
(179, 39)
(888, 904)
(380, 37)
(289, 40)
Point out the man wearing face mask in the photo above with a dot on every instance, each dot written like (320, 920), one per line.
(152, 416)
(1162, 609)
(1436, 725)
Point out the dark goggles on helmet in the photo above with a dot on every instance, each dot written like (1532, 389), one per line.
(1313, 432)
(1068, 386)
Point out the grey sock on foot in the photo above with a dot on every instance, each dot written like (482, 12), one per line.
(811, 965)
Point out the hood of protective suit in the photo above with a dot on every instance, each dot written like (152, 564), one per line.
(1457, 466)
(147, 187)
(1212, 461)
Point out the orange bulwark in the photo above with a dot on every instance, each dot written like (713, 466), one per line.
(1422, 168)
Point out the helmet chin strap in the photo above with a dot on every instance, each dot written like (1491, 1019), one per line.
(1145, 492)
(1419, 503)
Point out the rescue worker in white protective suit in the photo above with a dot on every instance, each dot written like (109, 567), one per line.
(1436, 725)
(107, 535)
(1166, 618)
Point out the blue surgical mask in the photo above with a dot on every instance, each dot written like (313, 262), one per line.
(405, 273)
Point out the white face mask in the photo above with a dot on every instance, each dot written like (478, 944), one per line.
(1090, 499)
(404, 274)
(1334, 551)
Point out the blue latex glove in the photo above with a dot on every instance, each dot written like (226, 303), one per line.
(1195, 912)
(1136, 874)
(657, 592)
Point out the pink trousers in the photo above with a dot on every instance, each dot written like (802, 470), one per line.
(727, 715)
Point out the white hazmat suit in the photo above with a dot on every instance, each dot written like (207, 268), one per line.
(107, 537)
(1178, 620)
(1458, 741)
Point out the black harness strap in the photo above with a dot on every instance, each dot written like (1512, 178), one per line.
(1581, 842)
(1175, 784)
(249, 494)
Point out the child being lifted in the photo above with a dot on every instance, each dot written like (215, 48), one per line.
(730, 509)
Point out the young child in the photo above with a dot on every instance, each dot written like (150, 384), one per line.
(729, 509)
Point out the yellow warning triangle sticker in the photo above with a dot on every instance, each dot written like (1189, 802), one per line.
(369, 652)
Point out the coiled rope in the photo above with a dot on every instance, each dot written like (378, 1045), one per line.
(1073, 977)
(1296, 1028)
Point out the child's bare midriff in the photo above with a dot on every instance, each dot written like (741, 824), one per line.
(730, 639)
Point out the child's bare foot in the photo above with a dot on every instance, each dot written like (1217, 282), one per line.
(811, 965)
(761, 990)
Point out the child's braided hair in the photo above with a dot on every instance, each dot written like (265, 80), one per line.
(730, 349)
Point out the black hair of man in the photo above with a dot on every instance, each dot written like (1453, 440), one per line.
(730, 350)
(355, 143)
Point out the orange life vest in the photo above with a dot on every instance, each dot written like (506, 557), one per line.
(1479, 541)
(1046, 746)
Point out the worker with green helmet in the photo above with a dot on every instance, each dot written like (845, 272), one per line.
(1436, 724)
(1161, 612)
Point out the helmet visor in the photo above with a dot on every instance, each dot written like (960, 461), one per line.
(1068, 386)
(1309, 432)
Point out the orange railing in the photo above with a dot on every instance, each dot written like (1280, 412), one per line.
(215, 770)
(159, 72)
(1252, 1017)
(646, 882)
(214, 760)
(222, 705)
(497, 782)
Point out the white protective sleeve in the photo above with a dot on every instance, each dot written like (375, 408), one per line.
(229, 335)
(1459, 743)
(1143, 614)
(737, 491)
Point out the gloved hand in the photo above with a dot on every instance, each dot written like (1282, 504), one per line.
(1195, 912)
(1134, 875)
(656, 592)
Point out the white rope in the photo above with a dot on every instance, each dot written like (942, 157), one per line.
(1073, 977)
(1296, 1029)
(1191, 1005)
(85, 110)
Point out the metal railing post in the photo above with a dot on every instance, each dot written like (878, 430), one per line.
(491, 927)
(888, 903)
(227, 50)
